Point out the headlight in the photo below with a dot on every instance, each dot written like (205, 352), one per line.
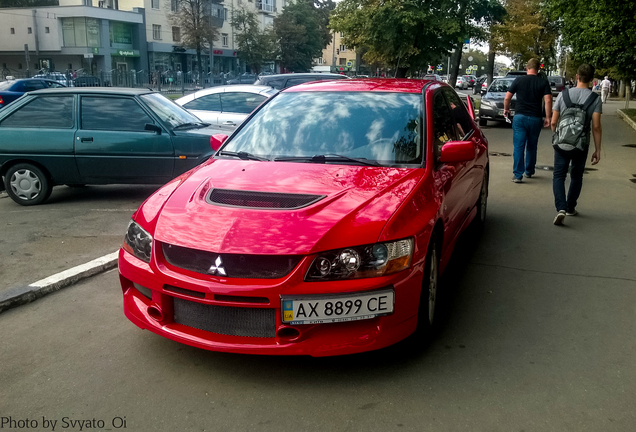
(486, 104)
(374, 260)
(138, 242)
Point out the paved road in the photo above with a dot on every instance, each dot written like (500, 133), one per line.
(537, 335)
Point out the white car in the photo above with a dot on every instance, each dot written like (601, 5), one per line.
(226, 105)
(55, 76)
(461, 83)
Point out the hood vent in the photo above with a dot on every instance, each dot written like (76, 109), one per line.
(261, 200)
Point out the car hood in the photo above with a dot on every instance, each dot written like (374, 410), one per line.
(355, 206)
(497, 96)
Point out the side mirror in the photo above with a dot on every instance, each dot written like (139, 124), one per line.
(153, 127)
(217, 140)
(457, 151)
(483, 91)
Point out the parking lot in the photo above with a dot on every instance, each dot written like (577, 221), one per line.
(536, 331)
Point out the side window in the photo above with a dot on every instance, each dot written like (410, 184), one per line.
(462, 119)
(296, 81)
(33, 85)
(53, 84)
(210, 102)
(276, 83)
(240, 103)
(113, 114)
(55, 112)
(443, 129)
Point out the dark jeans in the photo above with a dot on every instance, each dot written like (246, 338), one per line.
(562, 161)
(525, 136)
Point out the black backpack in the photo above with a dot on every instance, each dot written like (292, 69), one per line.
(572, 131)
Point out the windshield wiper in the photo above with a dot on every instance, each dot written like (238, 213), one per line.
(329, 157)
(191, 125)
(242, 155)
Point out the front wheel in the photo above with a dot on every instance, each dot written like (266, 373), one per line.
(27, 185)
(428, 296)
(482, 202)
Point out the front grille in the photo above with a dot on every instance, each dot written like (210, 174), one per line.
(226, 320)
(232, 265)
(260, 200)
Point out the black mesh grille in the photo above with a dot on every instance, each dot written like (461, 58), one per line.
(260, 200)
(225, 320)
(233, 265)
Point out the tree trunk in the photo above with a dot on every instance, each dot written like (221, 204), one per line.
(401, 72)
(490, 69)
(457, 57)
(621, 89)
(628, 94)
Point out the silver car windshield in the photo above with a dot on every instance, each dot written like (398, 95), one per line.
(382, 127)
(501, 85)
(169, 112)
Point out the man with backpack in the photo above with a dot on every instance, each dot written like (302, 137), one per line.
(574, 111)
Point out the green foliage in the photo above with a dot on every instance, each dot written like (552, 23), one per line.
(255, 46)
(27, 3)
(194, 20)
(302, 35)
(602, 32)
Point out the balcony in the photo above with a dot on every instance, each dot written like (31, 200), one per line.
(265, 7)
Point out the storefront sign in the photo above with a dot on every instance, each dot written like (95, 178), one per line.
(127, 53)
(225, 53)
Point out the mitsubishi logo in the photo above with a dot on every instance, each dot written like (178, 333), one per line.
(217, 267)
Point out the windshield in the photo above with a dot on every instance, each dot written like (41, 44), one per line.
(501, 85)
(168, 111)
(382, 127)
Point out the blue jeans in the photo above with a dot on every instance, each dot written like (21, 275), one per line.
(562, 161)
(525, 136)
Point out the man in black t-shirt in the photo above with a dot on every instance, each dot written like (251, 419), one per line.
(532, 91)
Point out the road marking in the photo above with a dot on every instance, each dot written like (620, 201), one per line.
(26, 294)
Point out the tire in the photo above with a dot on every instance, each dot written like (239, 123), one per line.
(482, 202)
(483, 122)
(428, 297)
(27, 185)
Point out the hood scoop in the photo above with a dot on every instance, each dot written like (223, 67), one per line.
(260, 200)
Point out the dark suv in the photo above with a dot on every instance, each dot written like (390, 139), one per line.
(283, 81)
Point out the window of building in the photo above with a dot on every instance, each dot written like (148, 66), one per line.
(343, 48)
(174, 5)
(155, 4)
(342, 61)
(224, 14)
(46, 30)
(176, 34)
(341, 34)
(320, 60)
(81, 32)
(70, 66)
(54, 112)
(12, 30)
(224, 39)
(29, 30)
(156, 32)
(19, 65)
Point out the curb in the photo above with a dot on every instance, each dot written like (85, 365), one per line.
(630, 122)
(26, 294)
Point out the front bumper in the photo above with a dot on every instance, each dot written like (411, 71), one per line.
(492, 113)
(157, 313)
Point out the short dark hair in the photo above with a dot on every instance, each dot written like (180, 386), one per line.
(533, 63)
(586, 72)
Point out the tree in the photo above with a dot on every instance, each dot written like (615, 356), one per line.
(255, 46)
(601, 33)
(301, 35)
(27, 3)
(194, 19)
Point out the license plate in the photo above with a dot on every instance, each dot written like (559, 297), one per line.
(511, 112)
(336, 308)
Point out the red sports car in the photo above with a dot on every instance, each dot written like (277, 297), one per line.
(319, 227)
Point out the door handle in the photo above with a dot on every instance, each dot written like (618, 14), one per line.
(86, 139)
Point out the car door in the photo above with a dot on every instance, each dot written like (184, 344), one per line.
(236, 106)
(207, 107)
(42, 131)
(112, 145)
(451, 177)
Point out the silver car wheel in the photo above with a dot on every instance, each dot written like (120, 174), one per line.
(25, 184)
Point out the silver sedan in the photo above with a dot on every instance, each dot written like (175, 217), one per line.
(226, 105)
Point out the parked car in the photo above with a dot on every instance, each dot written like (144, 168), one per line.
(14, 89)
(283, 81)
(479, 84)
(471, 80)
(226, 105)
(78, 136)
(55, 76)
(320, 227)
(87, 81)
(245, 78)
(557, 83)
(491, 106)
(433, 77)
(462, 83)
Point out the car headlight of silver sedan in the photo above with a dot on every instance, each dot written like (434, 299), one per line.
(379, 259)
(138, 242)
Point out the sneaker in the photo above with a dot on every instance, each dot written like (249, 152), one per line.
(528, 175)
(571, 213)
(558, 220)
(516, 180)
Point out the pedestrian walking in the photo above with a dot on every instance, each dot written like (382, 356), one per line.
(532, 92)
(574, 110)
(606, 85)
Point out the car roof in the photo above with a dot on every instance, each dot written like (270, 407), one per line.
(240, 88)
(96, 90)
(299, 75)
(365, 85)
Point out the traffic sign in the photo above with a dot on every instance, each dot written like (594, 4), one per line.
(349, 64)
